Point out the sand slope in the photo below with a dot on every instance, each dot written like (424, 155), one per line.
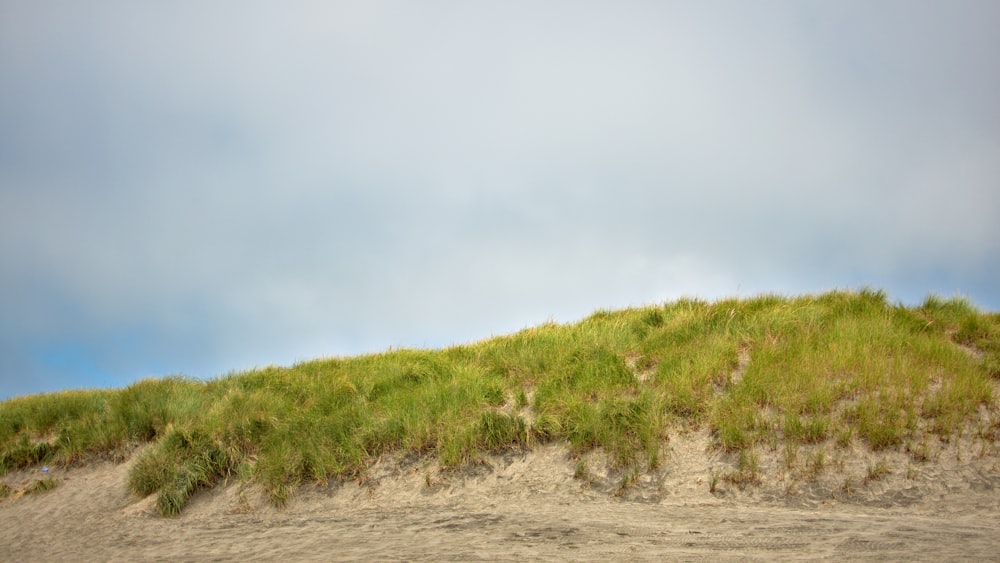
(530, 506)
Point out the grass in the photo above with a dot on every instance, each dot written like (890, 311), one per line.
(843, 366)
(33, 487)
(849, 487)
(878, 472)
(40, 486)
(747, 471)
(815, 465)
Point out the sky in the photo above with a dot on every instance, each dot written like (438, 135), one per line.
(195, 188)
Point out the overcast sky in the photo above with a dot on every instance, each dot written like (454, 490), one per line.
(198, 187)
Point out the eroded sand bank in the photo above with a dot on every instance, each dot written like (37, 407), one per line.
(532, 506)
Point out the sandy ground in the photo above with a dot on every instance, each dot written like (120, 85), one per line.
(531, 506)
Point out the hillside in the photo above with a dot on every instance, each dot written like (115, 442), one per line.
(842, 389)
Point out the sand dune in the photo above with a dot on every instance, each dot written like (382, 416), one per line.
(530, 506)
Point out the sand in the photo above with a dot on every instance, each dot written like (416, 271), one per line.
(531, 506)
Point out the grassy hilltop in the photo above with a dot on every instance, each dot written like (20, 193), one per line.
(763, 372)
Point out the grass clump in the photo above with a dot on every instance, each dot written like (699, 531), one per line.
(877, 472)
(767, 371)
(747, 470)
(808, 430)
(40, 486)
(815, 465)
(23, 452)
(177, 466)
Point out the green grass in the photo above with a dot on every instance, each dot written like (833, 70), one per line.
(841, 367)
(747, 471)
(40, 486)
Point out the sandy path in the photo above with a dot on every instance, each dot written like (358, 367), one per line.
(523, 507)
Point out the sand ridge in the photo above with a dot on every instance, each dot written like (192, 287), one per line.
(535, 506)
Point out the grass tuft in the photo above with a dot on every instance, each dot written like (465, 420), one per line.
(747, 470)
(878, 472)
(41, 486)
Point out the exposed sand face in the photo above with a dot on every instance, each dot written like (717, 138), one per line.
(531, 506)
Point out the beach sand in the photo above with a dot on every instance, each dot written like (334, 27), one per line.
(539, 505)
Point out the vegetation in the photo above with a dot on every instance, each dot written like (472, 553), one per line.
(878, 472)
(40, 486)
(747, 472)
(766, 371)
